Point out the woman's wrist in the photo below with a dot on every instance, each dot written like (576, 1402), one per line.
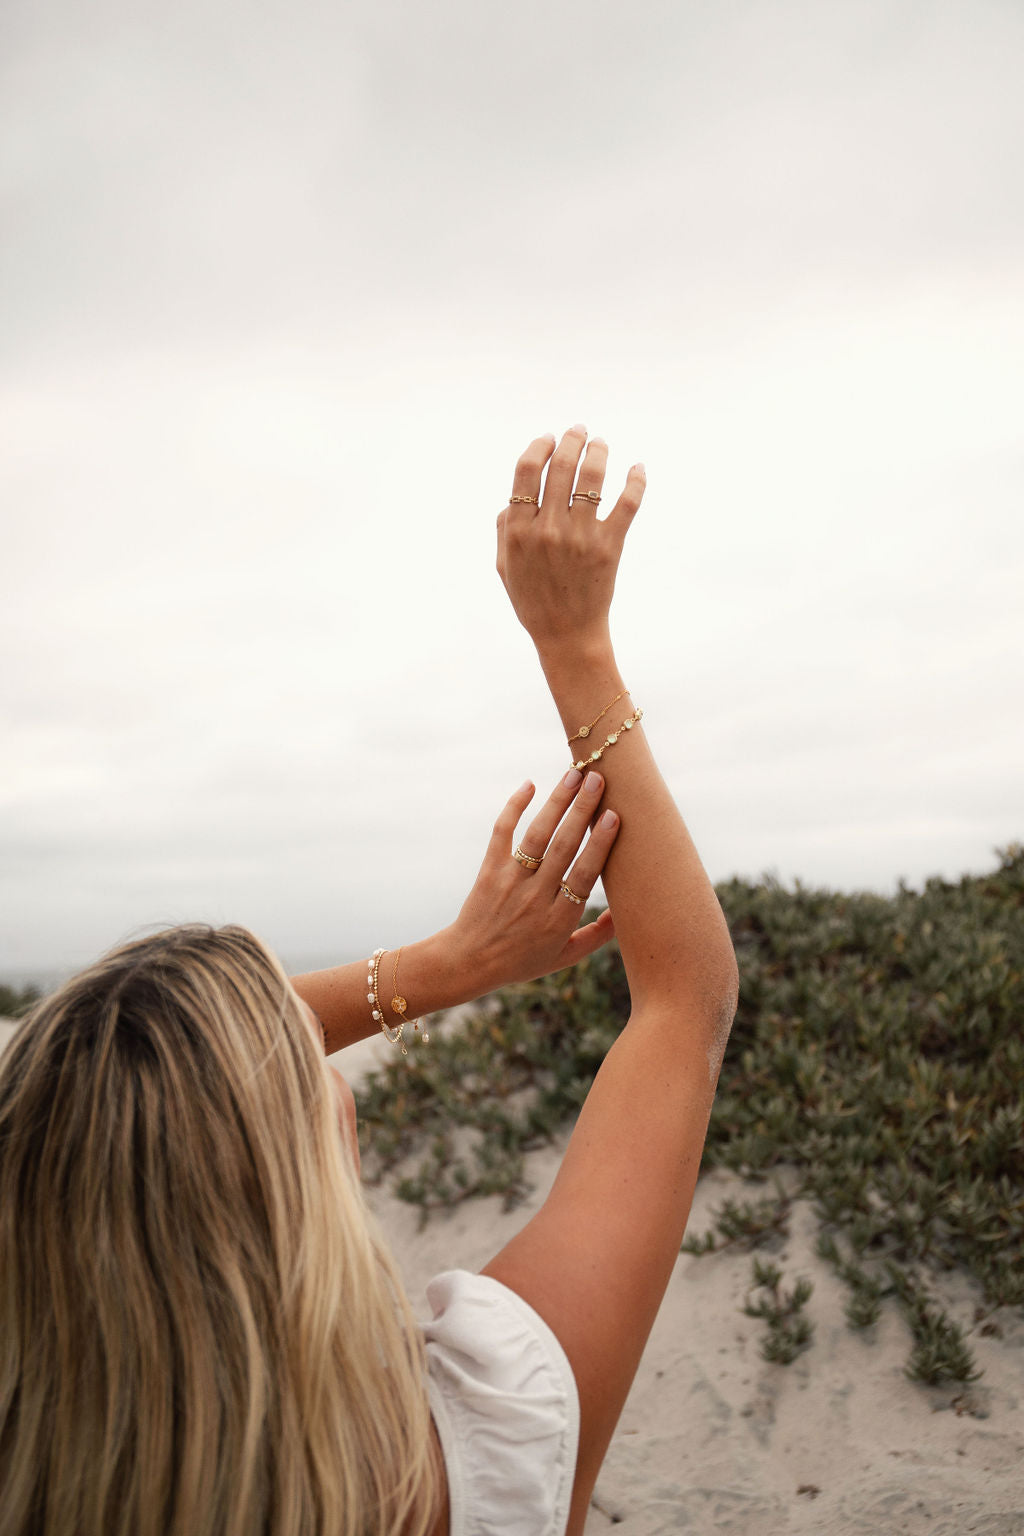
(583, 680)
(433, 974)
(568, 654)
(430, 974)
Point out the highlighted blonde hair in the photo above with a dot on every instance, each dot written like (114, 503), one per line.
(201, 1332)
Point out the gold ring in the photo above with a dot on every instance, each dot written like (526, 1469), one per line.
(570, 895)
(591, 496)
(531, 499)
(527, 860)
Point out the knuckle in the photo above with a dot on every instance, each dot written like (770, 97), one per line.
(531, 458)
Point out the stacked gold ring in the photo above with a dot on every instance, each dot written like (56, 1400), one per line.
(591, 496)
(527, 860)
(570, 895)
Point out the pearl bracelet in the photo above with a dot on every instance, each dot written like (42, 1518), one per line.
(394, 1036)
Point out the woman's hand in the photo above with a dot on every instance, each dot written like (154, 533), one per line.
(517, 923)
(557, 559)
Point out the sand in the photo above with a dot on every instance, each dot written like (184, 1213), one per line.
(715, 1439)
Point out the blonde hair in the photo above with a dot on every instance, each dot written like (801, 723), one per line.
(201, 1331)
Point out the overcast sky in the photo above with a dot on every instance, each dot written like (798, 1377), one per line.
(283, 292)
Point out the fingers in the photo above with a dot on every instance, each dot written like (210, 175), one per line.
(584, 873)
(562, 470)
(591, 476)
(588, 939)
(562, 464)
(534, 841)
(500, 844)
(566, 841)
(628, 504)
(527, 477)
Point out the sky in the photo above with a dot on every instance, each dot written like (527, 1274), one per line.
(284, 291)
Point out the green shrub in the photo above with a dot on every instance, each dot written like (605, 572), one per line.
(878, 1053)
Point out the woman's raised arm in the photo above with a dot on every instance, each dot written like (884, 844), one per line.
(597, 1257)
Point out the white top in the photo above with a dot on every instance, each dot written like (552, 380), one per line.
(506, 1408)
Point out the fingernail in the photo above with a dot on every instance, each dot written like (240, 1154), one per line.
(572, 778)
(593, 782)
(640, 469)
(579, 427)
(524, 786)
(608, 820)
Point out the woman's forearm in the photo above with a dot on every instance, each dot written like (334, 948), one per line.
(432, 975)
(558, 561)
(674, 939)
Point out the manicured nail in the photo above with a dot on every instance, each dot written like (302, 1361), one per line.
(572, 778)
(593, 782)
(608, 820)
(527, 784)
(639, 469)
(579, 427)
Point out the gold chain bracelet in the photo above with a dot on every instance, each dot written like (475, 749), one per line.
(394, 1036)
(585, 730)
(627, 725)
(399, 1004)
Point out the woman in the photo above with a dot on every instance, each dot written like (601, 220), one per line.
(201, 1331)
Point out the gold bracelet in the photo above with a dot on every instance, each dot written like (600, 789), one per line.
(399, 1004)
(627, 725)
(394, 1036)
(585, 730)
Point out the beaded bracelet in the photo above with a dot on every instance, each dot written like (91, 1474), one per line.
(627, 725)
(394, 1036)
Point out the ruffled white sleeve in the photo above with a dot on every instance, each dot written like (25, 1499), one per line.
(506, 1408)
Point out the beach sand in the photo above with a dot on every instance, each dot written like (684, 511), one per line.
(714, 1439)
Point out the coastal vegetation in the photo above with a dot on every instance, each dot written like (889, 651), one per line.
(875, 1070)
(16, 1001)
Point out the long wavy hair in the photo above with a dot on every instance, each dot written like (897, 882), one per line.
(201, 1331)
